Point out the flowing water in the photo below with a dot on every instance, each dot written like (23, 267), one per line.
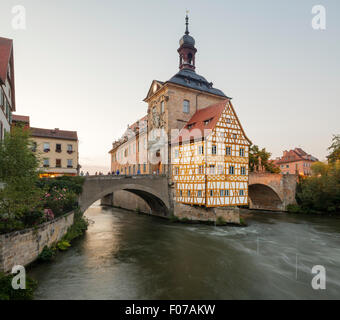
(129, 256)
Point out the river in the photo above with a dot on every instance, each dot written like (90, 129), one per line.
(124, 255)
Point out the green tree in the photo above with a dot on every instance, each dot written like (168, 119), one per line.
(259, 160)
(19, 174)
(334, 149)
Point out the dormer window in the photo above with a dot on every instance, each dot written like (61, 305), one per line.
(189, 126)
(206, 122)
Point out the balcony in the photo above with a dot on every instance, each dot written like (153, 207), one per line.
(70, 151)
(47, 150)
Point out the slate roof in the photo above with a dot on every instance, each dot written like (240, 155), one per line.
(189, 78)
(54, 134)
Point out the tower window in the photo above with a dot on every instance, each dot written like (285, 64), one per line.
(241, 192)
(186, 106)
(200, 150)
(199, 193)
(231, 170)
(241, 152)
(228, 151)
(213, 149)
(189, 58)
(243, 170)
(162, 107)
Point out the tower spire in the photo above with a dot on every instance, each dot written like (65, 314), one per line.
(187, 23)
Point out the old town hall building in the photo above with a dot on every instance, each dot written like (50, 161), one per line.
(192, 134)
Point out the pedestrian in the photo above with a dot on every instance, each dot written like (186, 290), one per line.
(117, 172)
(87, 173)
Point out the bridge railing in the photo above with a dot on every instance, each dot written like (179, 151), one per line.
(123, 176)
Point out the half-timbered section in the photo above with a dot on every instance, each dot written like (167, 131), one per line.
(210, 159)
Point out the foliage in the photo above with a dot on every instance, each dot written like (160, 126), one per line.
(63, 245)
(73, 184)
(334, 149)
(320, 193)
(184, 220)
(78, 228)
(8, 293)
(259, 159)
(60, 201)
(19, 173)
(220, 221)
(173, 218)
(242, 222)
(293, 208)
(47, 254)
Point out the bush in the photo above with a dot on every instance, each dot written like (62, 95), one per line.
(174, 218)
(8, 293)
(47, 254)
(73, 184)
(293, 208)
(60, 201)
(220, 221)
(63, 245)
(78, 228)
(321, 192)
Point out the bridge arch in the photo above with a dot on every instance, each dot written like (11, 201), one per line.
(152, 189)
(264, 197)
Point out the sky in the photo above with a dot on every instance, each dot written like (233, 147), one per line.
(87, 65)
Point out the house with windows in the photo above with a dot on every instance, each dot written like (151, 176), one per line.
(210, 159)
(57, 151)
(191, 133)
(7, 88)
(295, 161)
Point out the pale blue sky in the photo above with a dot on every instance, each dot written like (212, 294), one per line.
(86, 65)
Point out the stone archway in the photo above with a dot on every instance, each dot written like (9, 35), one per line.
(264, 197)
(152, 189)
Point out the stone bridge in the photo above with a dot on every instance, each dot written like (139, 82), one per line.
(267, 191)
(270, 191)
(153, 189)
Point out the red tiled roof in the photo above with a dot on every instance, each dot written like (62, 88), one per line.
(196, 127)
(54, 134)
(6, 46)
(18, 118)
(295, 155)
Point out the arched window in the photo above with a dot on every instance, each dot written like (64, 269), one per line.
(189, 58)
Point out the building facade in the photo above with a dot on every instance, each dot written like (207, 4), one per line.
(210, 161)
(7, 88)
(295, 161)
(185, 103)
(57, 151)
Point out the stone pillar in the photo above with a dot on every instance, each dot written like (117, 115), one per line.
(107, 200)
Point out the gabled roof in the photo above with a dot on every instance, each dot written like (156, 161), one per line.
(6, 46)
(151, 92)
(295, 155)
(54, 134)
(201, 123)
